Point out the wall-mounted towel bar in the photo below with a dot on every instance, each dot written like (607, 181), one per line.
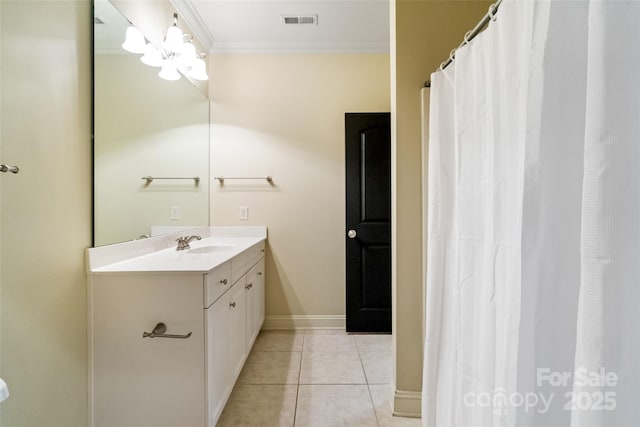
(12, 169)
(150, 179)
(269, 179)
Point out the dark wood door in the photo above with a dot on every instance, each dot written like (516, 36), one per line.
(368, 233)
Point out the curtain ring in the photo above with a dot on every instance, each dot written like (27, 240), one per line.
(452, 55)
(466, 37)
(441, 68)
(491, 12)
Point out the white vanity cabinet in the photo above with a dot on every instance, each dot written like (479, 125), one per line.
(185, 381)
(235, 320)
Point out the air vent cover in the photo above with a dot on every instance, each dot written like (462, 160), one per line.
(300, 19)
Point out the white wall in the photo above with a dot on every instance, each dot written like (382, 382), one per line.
(147, 126)
(283, 115)
(45, 216)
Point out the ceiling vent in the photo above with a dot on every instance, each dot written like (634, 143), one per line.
(297, 20)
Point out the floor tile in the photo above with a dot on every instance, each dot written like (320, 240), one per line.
(260, 406)
(382, 396)
(321, 342)
(335, 406)
(325, 332)
(271, 367)
(279, 341)
(331, 368)
(378, 366)
(374, 342)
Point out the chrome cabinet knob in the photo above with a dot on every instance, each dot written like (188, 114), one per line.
(352, 234)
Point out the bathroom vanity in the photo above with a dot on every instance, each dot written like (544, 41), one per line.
(169, 331)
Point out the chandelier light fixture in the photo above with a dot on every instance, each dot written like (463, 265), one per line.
(177, 52)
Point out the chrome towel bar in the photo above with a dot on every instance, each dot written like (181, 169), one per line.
(269, 179)
(150, 179)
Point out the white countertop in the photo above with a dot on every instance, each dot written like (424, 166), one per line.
(158, 254)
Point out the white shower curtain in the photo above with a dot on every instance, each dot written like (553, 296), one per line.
(533, 249)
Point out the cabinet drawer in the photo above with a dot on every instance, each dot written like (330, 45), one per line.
(244, 261)
(216, 283)
(259, 248)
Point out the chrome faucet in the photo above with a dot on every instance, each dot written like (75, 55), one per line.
(183, 242)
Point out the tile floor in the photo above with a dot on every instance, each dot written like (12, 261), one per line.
(314, 378)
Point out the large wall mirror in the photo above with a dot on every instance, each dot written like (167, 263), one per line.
(144, 127)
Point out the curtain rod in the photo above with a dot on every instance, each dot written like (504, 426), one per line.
(470, 35)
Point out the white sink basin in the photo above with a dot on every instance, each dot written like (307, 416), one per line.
(209, 249)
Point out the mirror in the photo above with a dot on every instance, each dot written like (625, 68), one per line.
(144, 126)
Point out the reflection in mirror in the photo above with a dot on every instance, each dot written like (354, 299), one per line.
(144, 126)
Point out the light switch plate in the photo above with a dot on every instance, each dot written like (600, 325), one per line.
(244, 213)
(175, 213)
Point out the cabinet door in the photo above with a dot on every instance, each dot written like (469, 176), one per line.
(259, 286)
(225, 347)
(250, 297)
(237, 322)
(147, 382)
(255, 302)
(219, 375)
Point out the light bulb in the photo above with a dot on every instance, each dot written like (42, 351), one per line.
(199, 70)
(152, 56)
(169, 71)
(173, 40)
(188, 54)
(134, 41)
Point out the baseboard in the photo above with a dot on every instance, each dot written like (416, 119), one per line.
(304, 322)
(407, 403)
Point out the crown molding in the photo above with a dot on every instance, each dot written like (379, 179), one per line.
(293, 47)
(188, 13)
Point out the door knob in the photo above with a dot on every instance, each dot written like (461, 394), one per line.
(352, 234)
(12, 169)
